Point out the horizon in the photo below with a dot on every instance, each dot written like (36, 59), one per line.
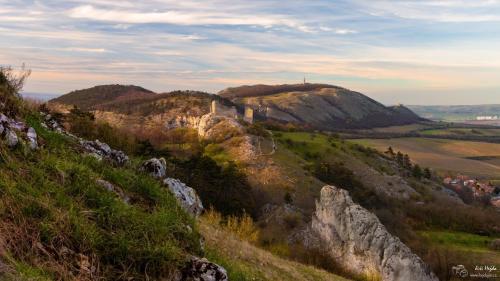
(49, 96)
(441, 52)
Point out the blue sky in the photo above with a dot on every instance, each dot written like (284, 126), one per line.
(411, 52)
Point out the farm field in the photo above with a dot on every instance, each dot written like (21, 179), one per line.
(462, 132)
(446, 156)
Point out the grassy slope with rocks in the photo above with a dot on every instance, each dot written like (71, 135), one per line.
(54, 216)
(58, 223)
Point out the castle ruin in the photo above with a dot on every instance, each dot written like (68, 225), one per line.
(218, 109)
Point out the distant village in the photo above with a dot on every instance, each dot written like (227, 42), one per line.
(487, 118)
(473, 190)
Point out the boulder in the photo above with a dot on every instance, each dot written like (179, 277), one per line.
(155, 167)
(186, 196)
(357, 240)
(200, 269)
(32, 138)
(11, 138)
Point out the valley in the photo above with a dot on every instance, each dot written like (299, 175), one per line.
(325, 140)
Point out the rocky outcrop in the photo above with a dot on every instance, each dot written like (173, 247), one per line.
(32, 138)
(51, 123)
(185, 195)
(183, 121)
(356, 239)
(155, 167)
(11, 130)
(200, 269)
(212, 126)
(209, 126)
(102, 150)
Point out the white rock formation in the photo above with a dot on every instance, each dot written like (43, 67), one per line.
(184, 121)
(13, 131)
(211, 124)
(102, 150)
(185, 195)
(204, 124)
(32, 138)
(11, 138)
(356, 238)
(201, 269)
(155, 167)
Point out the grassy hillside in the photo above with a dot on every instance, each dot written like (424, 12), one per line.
(319, 106)
(244, 261)
(54, 215)
(266, 90)
(57, 222)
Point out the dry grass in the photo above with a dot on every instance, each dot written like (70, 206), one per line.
(257, 264)
(444, 155)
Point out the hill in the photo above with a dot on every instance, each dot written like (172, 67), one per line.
(73, 209)
(93, 97)
(319, 106)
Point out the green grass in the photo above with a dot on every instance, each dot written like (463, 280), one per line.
(218, 154)
(308, 145)
(458, 240)
(50, 198)
(236, 271)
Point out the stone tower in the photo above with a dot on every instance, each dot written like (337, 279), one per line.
(248, 114)
(213, 107)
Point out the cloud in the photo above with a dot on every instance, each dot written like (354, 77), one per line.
(367, 45)
(181, 17)
(345, 31)
(452, 11)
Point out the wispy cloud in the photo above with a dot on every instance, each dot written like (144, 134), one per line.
(377, 46)
(181, 18)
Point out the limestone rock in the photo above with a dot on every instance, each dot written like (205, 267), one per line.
(200, 269)
(32, 138)
(219, 128)
(11, 138)
(102, 150)
(183, 121)
(155, 167)
(356, 238)
(185, 195)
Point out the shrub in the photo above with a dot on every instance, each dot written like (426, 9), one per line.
(11, 83)
(243, 227)
(495, 245)
(337, 174)
(225, 188)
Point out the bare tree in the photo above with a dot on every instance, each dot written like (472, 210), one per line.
(11, 82)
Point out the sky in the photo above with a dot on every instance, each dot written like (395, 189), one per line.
(407, 51)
